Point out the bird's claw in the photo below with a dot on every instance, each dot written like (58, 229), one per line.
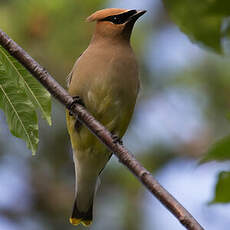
(76, 100)
(116, 139)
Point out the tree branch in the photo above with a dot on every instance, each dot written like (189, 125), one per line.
(124, 156)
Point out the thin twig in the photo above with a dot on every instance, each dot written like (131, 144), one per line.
(124, 156)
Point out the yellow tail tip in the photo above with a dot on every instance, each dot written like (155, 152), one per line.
(75, 221)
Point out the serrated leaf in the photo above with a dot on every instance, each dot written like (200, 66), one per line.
(36, 92)
(220, 151)
(222, 193)
(202, 21)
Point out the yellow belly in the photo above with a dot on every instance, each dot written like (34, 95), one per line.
(110, 109)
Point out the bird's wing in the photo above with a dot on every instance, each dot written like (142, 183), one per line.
(69, 76)
(68, 79)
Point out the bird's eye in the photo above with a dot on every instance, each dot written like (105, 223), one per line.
(115, 20)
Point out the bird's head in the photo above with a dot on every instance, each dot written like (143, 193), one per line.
(115, 23)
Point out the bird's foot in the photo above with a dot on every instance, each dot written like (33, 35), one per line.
(116, 139)
(76, 100)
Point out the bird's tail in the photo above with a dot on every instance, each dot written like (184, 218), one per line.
(85, 190)
(84, 217)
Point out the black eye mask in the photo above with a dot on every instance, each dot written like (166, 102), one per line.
(120, 18)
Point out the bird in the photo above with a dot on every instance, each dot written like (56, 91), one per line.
(105, 80)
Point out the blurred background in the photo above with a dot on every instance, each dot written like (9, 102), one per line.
(182, 109)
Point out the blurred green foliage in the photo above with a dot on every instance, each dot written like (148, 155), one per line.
(220, 151)
(202, 21)
(206, 23)
(222, 188)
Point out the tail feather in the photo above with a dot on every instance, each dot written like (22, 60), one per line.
(84, 218)
(86, 181)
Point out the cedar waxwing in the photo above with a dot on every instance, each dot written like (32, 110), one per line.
(105, 81)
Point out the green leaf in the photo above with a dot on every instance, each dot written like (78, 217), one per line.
(36, 92)
(222, 193)
(21, 117)
(20, 96)
(202, 20)
(220, 151)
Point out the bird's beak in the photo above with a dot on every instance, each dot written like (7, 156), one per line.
(138, 14)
